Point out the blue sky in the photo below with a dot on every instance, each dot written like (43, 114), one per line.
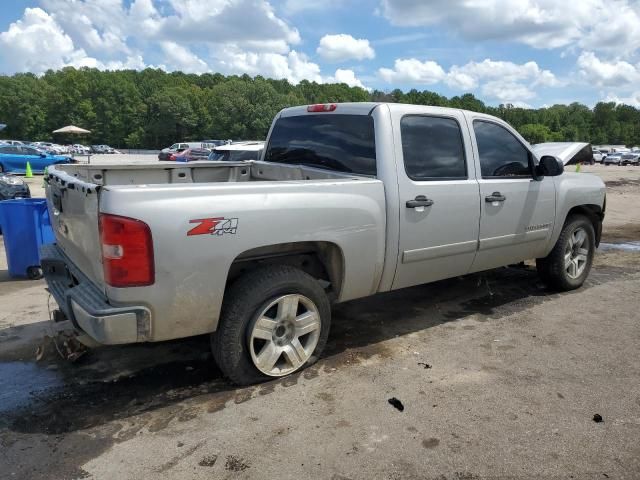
(525, 52)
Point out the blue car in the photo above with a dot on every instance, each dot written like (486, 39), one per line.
(14, 158)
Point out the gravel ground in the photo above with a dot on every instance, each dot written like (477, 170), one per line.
(498, 377)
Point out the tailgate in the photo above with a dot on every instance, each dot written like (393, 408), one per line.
(73, 208)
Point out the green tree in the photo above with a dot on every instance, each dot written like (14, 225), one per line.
(535, 132)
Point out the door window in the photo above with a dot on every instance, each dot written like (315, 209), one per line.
(9, 149)
(432, 148)
(29, 151)
(501, 153)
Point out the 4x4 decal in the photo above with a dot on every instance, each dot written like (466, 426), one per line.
(213, 226)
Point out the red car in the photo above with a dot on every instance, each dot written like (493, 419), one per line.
(190, 155)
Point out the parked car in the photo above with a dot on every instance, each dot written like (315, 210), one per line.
(614, 158)
(13, 142)
(13, 187)
(166, 153)
(81, 149)
(570, 153)
(190, 155)
(216, 143)
(630, 158)
(102, 149)
(14, 159)
(236, 152)
(44, 146)
(337, 209)
(597, 156)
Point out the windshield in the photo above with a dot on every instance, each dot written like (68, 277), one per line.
(345, 143)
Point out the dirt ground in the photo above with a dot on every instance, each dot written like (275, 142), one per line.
(498, 377)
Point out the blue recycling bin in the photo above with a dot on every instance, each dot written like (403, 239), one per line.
(25, 228)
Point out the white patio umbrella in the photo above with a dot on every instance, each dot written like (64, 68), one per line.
(71, 129)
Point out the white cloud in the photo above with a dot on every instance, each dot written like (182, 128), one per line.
(468, 75)
(293, 66)
(341, 47)
(411, 70)
(180, 58)
(36, 43)
(615, 73)
(612, 25)
(507, 82)
(633, 99)
(348, 77)
(507, 92)
(293, 7)
(250, 24)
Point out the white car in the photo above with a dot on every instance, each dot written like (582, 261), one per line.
(597, 156)
(81, 149)
(613, 159)
(237, 152)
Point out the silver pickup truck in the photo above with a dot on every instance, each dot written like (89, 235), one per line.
(348, 200)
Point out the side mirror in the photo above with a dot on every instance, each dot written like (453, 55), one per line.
(43, 155)
(549, 167)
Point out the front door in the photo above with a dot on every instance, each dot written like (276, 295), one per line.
(517, 211)
(439, 197)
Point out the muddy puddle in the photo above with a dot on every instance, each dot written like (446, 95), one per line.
(22, 382)
(623, 246)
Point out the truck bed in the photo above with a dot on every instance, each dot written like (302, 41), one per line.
(92, 176)
(267, 204)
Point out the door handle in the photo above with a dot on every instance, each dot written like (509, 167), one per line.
(495, 197)
(419, 201)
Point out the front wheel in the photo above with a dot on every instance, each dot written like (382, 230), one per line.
(274, 321)
(569, 263)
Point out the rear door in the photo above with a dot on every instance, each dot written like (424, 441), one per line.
(517, 211)
(11, 160)
(439, 196)
(36, 161)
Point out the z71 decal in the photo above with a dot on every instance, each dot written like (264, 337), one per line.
(213, 226)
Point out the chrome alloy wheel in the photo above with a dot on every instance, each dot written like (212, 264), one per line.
(576, 253)
(284, 335)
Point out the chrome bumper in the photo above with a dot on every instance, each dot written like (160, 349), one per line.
(86, 305)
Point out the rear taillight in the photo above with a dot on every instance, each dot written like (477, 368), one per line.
(322, 107)
(127, 251)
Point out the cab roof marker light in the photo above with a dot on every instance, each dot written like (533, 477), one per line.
(322, 107)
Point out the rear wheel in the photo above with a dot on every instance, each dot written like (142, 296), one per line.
(274, 321)
(569, 263)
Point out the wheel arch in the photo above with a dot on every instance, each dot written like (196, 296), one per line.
(595, 213)
(321, 259)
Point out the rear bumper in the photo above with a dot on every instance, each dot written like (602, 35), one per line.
(86, 306)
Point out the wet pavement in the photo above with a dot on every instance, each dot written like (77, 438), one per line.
(115, 394)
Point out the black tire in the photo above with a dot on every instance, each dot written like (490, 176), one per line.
(244, 301)
(552, 269)
(34, 273)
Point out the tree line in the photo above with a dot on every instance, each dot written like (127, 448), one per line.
(152, 108)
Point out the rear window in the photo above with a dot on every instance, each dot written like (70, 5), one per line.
(234, 155)
(344, 143)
